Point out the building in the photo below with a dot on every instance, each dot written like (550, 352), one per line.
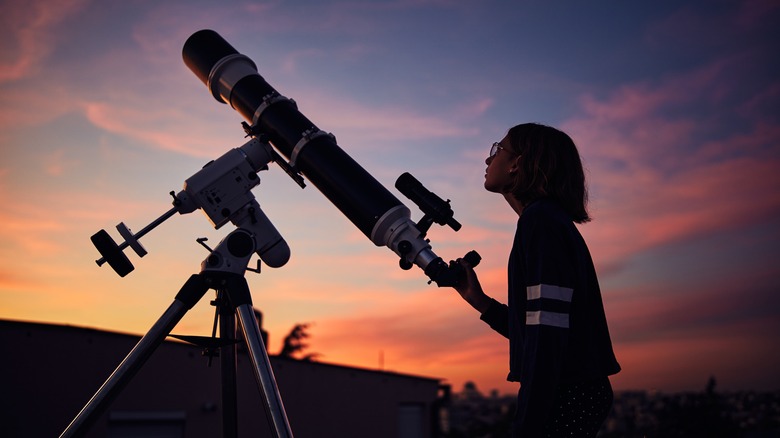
(50, 372)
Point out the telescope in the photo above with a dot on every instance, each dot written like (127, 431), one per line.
(222, 191)
(233, 79)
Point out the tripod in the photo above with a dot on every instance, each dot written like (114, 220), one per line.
(223, 270)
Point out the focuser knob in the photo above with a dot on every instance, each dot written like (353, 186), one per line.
(404, 247)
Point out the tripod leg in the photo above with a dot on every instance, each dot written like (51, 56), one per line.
(187, 297)
(264, 374)
(263, 371)
(227, 363)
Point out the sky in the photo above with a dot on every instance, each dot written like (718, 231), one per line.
(674, 106)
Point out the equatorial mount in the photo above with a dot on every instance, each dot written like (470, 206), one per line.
(222, 190)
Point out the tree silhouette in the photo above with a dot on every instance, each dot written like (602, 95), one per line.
(294, 343)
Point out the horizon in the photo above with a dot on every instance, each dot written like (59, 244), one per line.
(485, 392)
(674, 109)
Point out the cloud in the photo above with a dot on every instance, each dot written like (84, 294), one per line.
(152, 127)
(701, 307)
(57, 162)
(42, 224)
(431, 332)
(29, 34)
(27, 228)
(20, 107)
(674, 157)
(661, 172)
(12, 280)
(170, 127)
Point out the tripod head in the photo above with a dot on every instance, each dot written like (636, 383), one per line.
(222, 190)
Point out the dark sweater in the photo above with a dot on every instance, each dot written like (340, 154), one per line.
(555, 318)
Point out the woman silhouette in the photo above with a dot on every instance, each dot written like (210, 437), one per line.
(559, 345)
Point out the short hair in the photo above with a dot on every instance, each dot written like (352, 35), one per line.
(550, 167)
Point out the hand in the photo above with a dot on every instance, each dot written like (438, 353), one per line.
(469, 287)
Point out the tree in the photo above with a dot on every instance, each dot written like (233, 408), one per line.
(294, 343)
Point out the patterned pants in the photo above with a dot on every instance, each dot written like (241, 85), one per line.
(580, 409)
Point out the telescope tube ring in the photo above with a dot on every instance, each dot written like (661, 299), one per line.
(269, 100)
(307, 136)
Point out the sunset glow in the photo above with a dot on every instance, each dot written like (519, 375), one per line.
(674, 109)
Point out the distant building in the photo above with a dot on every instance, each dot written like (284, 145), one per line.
(49, 372)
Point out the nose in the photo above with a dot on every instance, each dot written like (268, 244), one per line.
(489, 159)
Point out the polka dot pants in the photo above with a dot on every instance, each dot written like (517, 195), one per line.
(580, 409)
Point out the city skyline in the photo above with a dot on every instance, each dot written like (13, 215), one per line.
(674, 108)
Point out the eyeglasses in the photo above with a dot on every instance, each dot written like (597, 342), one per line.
(495, 148)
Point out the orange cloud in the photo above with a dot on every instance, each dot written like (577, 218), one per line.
(429, 332)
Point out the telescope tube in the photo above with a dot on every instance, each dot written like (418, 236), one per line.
(233, 79)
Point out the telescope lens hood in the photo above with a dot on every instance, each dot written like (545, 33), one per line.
(203, 50)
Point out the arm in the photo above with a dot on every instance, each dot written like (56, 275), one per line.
(492, 312)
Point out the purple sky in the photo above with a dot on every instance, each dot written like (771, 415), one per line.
(674, 108)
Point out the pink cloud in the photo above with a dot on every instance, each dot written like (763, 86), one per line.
(681, 308)
(708, 199)
(58, 162)
(654, 181)
(21, 108)
(166, 129)
(31, 27)
(660, 337)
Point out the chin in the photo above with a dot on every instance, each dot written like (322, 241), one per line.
(490, 188)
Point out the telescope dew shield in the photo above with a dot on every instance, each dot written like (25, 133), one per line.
(233, 79)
